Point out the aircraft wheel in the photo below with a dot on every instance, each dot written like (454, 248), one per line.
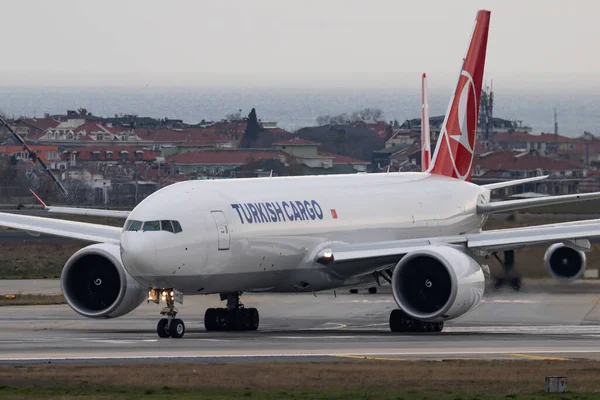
(353, 291)
(210, 319)
(177, 328)
(161, 328)
(397, 321)
(252, 319)
(372, 290)
(515, 283)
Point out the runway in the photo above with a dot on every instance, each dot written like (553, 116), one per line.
(529, 325)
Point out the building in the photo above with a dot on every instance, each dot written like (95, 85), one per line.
(505, 165)
(307, 153)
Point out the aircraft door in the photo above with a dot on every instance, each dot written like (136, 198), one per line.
(222, 229)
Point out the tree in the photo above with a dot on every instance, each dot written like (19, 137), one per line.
(235, 116)
(252, 131)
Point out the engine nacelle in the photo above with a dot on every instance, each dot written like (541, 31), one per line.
(564, 262)
(437, 283)
(96, 285)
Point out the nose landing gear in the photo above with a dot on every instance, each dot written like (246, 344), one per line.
(169, 326)
(233, 318)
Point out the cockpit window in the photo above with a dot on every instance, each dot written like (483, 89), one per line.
(151, 226)
(176, 227)
(134, 225)
(166, 226)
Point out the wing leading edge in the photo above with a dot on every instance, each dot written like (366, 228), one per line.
(57, 227)
(360, 259)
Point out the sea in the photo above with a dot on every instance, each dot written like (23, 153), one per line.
(294, 108)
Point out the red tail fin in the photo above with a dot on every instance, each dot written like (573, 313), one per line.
(454, 152)
(425, 135)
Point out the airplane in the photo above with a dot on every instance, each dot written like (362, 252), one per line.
(418, 231)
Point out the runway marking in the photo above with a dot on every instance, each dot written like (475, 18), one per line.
(536, 357)
(510, 301)
(335, 326)
(367, 357)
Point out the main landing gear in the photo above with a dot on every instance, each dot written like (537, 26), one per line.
(508, 264)
(400, 322)
(233, 318)
(169, 326)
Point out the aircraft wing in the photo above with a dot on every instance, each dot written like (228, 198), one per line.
(93, 212)
(360, 259)
(70, 229)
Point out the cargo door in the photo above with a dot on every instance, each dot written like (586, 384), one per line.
(222, 229)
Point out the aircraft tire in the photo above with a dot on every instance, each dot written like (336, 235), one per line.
(253, 320)
(177, 328)
(397, 323)
(210, 319)
(161, 328)
(373, 290)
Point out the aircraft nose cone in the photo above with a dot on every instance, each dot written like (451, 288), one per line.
(138, 255)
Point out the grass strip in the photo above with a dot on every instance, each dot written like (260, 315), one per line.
(32, 300)
(453, 379)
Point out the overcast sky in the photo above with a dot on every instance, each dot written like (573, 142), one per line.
(280, 43)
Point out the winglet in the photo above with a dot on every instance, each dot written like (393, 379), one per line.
(38, 199)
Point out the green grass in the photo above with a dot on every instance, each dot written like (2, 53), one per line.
(166, 392)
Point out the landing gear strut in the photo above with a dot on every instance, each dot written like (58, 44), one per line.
(169, 326)
(508, 264)
(400, 322)
(233, 318)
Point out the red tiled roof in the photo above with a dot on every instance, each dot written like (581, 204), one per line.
(509, 161)
(296, 141)
(528, 137)
(340, 159)
(41, 123)
(93, 126)
(40, 151)
(226, 157)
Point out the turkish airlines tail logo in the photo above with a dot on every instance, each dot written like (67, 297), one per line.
(454, 152)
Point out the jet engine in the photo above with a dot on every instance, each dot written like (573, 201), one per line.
(437, 283)
(96, 285)
(564, 262)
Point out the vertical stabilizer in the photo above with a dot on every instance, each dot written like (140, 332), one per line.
(454, 151)
(425, 135)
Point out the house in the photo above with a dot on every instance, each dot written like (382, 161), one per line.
(505, 165)
(26, 127)
(107, 154)
(403, 137)
(544, 143)
(221, 163)
(48, 154)
(73, 131)
(307, 153)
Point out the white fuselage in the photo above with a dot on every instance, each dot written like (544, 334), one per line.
(262, 234)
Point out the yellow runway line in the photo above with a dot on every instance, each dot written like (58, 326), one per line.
(366, 357)
(536, 357)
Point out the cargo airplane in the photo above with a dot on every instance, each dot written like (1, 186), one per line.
(420, 232)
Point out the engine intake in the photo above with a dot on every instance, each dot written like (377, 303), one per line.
(564, 263)
(437, 284)
(96, 285)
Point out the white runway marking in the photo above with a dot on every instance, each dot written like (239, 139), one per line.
(509, 301)
(544, 330)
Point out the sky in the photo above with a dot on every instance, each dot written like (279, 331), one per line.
(295, 44)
